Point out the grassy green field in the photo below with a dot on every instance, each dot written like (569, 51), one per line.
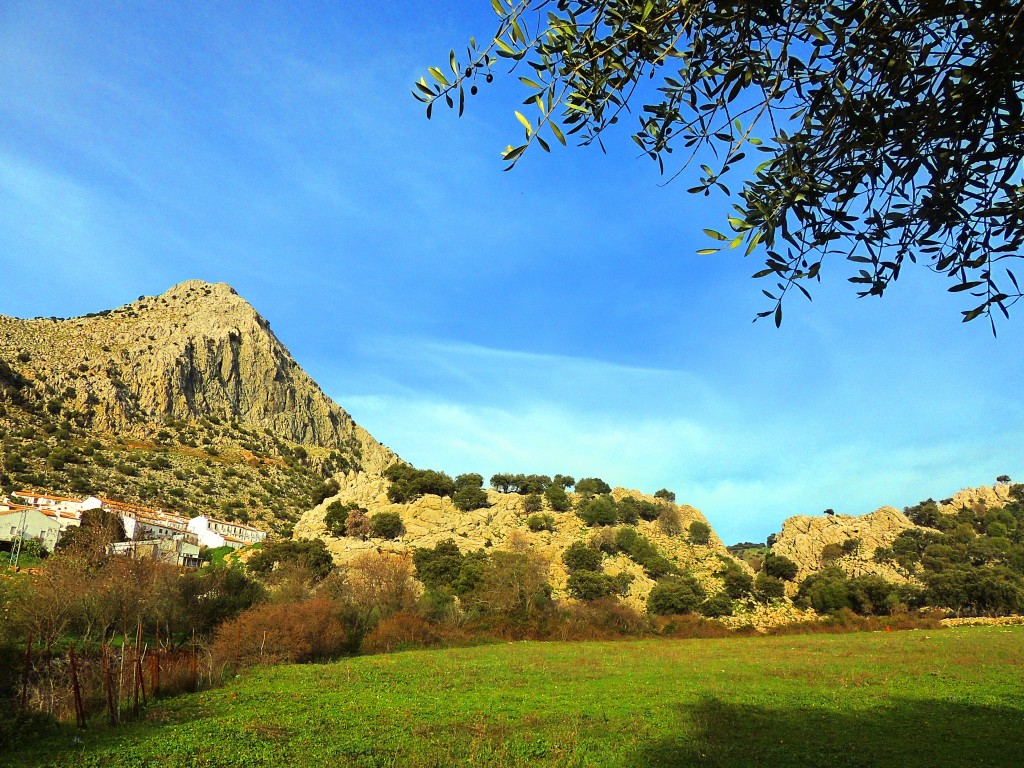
(922, 698)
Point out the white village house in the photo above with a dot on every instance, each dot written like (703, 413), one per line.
(151, 532)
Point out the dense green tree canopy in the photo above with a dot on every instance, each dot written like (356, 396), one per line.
(886, 131)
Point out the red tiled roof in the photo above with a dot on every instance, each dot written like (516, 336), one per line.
(51, 497)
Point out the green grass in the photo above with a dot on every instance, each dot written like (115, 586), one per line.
(922, 698)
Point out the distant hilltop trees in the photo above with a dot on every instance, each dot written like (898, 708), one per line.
(467, 493)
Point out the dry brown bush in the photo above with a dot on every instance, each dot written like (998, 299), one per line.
(282, 633)
(381, 583)
(688, 625)
(400, 631)
(604, 619)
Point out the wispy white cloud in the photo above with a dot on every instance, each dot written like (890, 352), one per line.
(487, 410)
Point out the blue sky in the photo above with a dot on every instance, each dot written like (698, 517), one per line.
(552, 319)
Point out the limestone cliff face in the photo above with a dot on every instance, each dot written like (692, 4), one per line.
(804, 539)
(198, 351)
(430, 520)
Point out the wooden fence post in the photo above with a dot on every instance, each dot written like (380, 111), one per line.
(195, 664)
(79, 712)
(24, 673)
(108, 684)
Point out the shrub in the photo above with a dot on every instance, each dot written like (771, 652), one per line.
(401, 631)
(826, 591)
(440, 566)
(540, 522)
(445, 568)
(641, 551)
(831, 552)
(310, 554)
(591, 585)
(737, 582)
(337, 516)
(533, 503)
(716, 606)
(767, 588)
(629, 510)
(511, 584)
(357, 525)
(872, 594)
(325, 491)
(379, 584)
(675, 594)
(668, 521)
(780, 567)
(282, 633)
(650, 511)
(580, 557)
(387, 525)
(665, 494)
(700, 532)
(598, 510)
(588, 585)
(557, 497)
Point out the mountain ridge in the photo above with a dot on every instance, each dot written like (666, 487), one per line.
(193, 379)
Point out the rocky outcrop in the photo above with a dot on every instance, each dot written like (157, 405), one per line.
(846, 541)
(985, 497)
(430, 520)
(199, 351)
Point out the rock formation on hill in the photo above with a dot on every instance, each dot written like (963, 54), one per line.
(845, 541)
(986, 496)
(189, 393)
(430, 520)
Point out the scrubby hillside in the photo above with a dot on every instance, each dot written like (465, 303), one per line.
(651, 539)
(964, 553)
(185, 400)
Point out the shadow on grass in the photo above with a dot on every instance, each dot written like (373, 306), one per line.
(907, 734)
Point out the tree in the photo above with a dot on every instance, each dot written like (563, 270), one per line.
(580, 557)
(780, 567)
(337, 516)
(675, 594)
(564, 481)
(533, 503)
(310, 554)
(666, 494)
(737, 582)
(599, 510)
(469, 492)
(591, 585)
(891, 133)
(716, 606)
(700, 532)
(440, 566)
(590, 486)
(409, 483)
(557, 497)
(768, 587)
(387, 525)
(538, 523)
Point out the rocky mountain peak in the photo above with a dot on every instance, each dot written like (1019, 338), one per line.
(197, 351)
